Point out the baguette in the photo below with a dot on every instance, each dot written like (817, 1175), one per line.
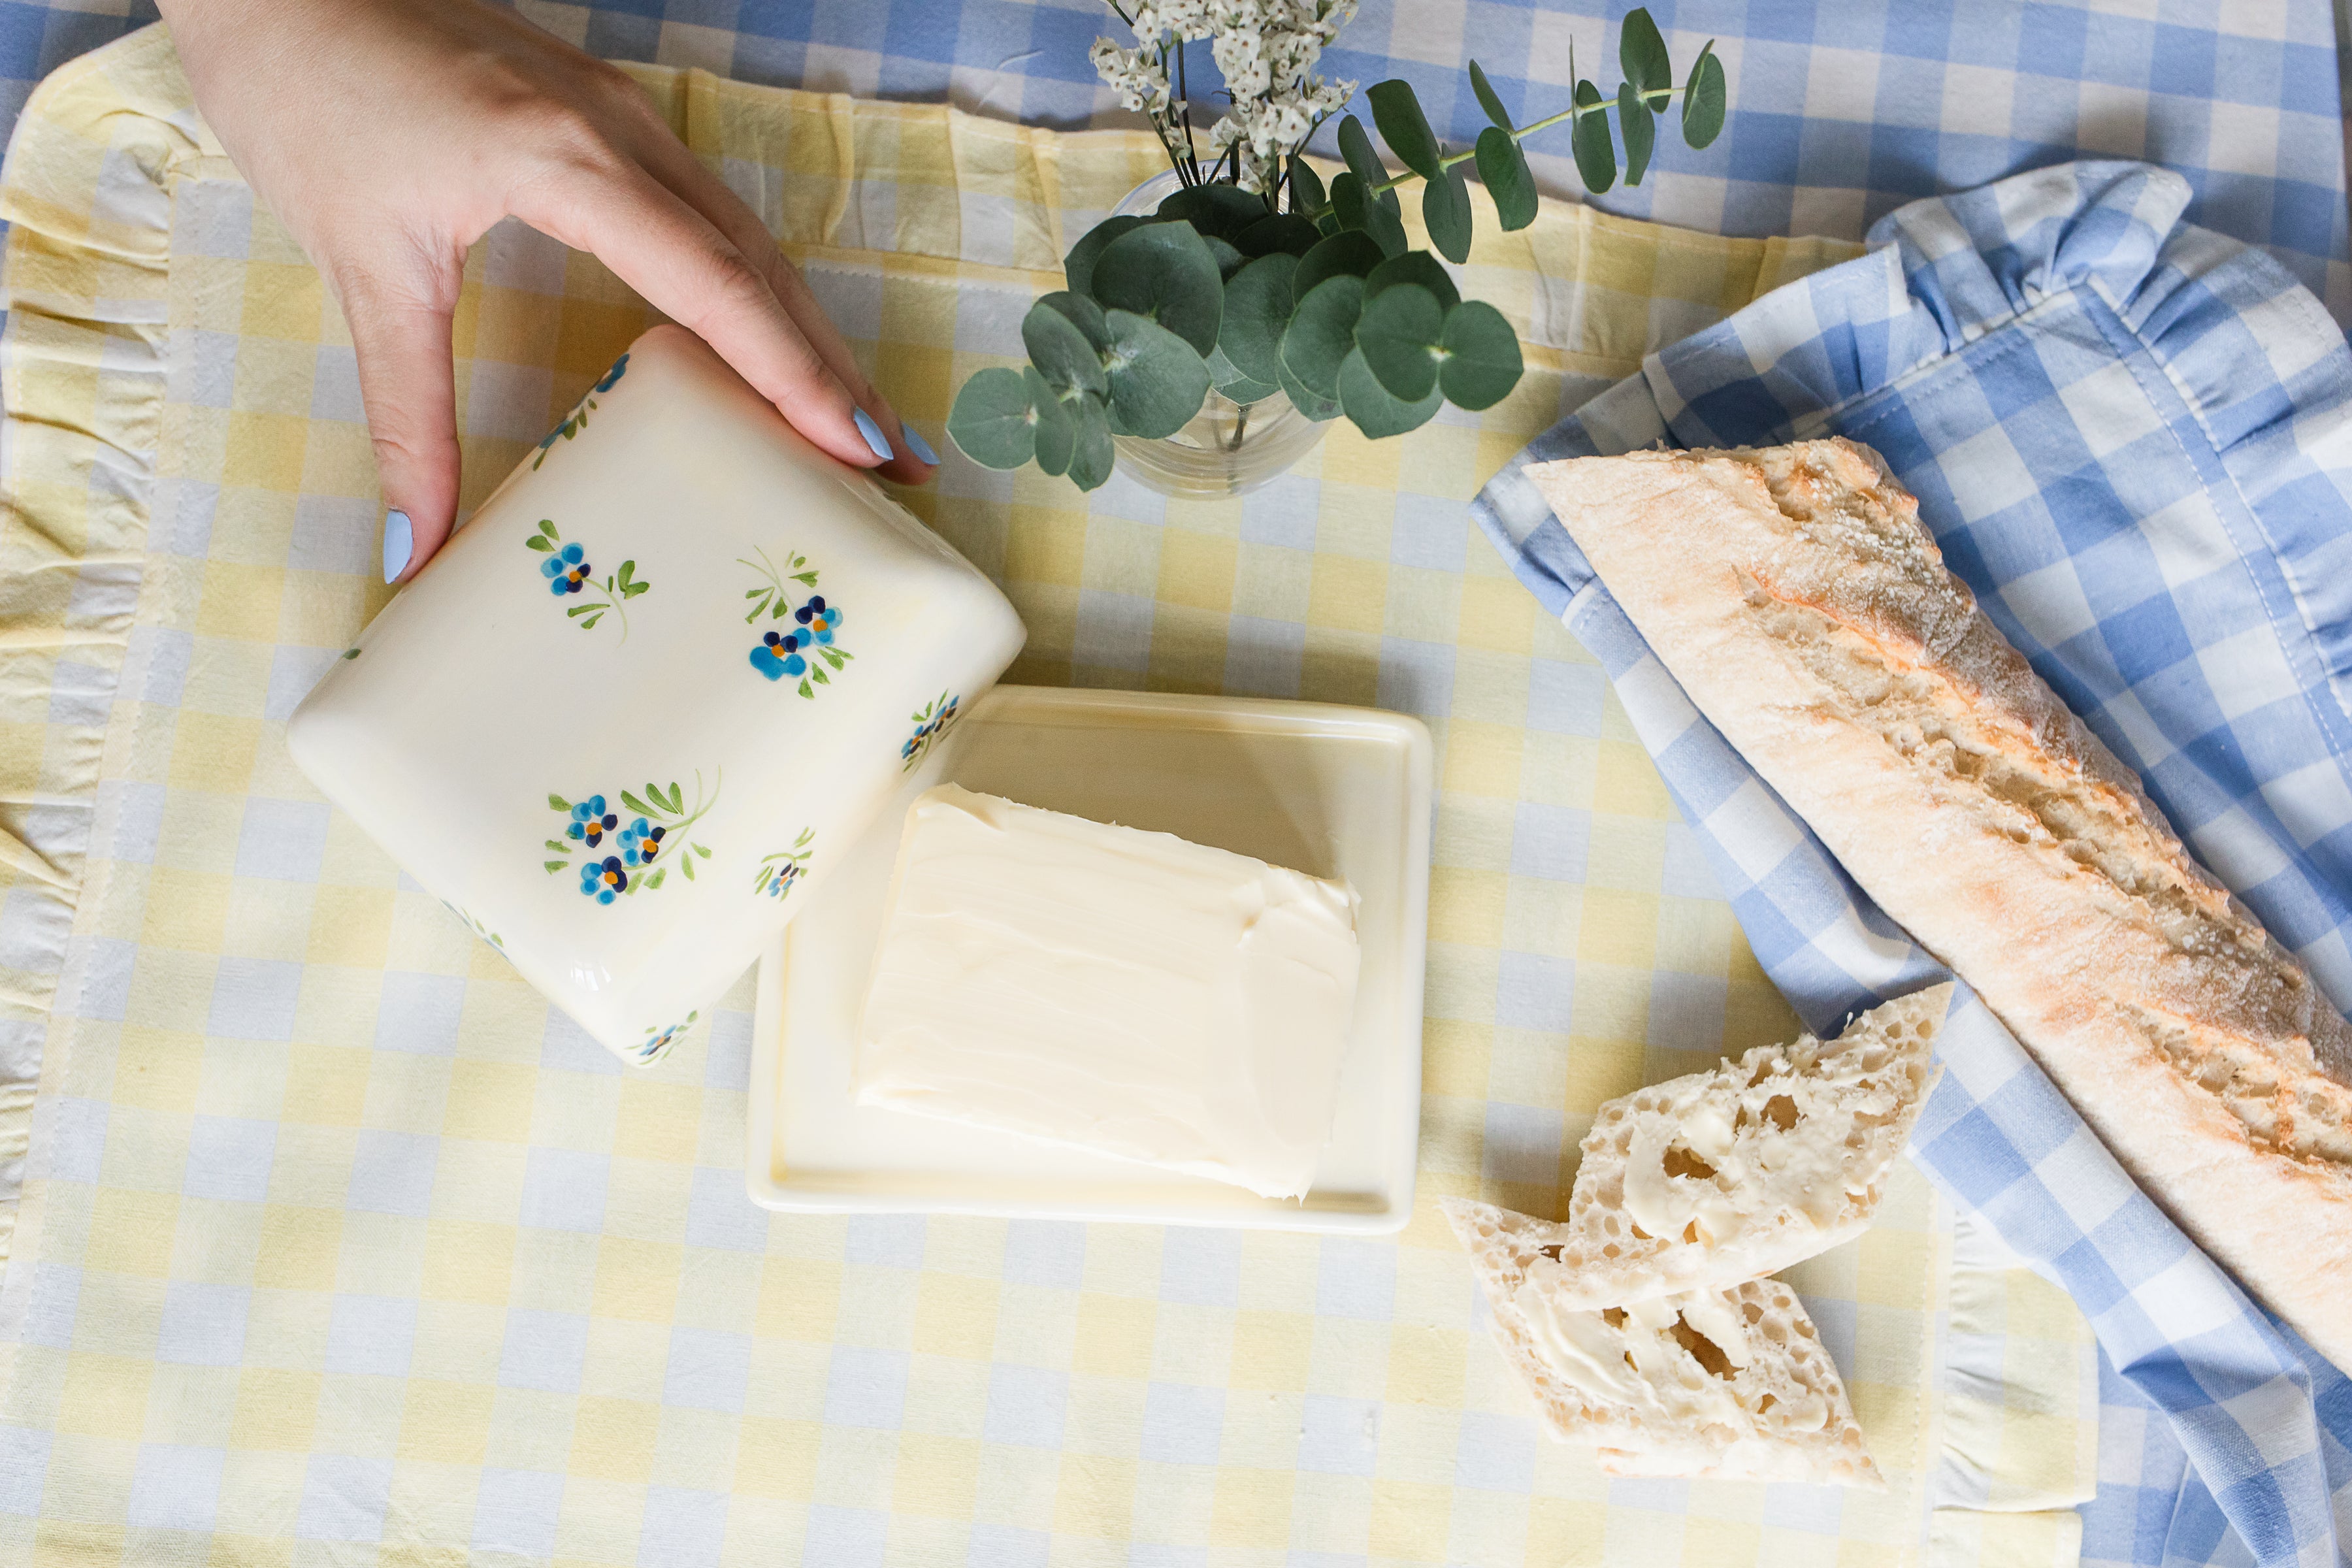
(1794, 594)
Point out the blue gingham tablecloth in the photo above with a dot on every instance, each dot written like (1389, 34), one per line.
(2133, 439)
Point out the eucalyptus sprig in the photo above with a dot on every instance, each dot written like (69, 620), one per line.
(1309, 292)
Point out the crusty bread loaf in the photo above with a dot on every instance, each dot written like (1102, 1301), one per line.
(1797, 598)
(1729, 1383)
(1703, 1181)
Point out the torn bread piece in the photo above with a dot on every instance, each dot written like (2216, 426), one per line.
(1703, 1181)
(1733, 1385)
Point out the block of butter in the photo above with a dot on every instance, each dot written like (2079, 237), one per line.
(1125, 992)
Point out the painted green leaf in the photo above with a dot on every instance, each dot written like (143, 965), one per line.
(1641, 56)
(676, 800)
(1157, 378)
(589, 622)
(686, 864)
(1056, 436)
(705, 852)
(557, 803)
(1398, 337)
(1373, 409)
(1258, 309)
(1596, 151)
(1286, 232)
(1307, 197)
(1446, 213)
(1482, 356)
(634, 803)
(1641, 129)
(1703, 99)
(1488, 99)
(576, 611)
(539, 541)
(554, 866)
(992, 422)
(1322, 332)
(1061, 351)
(653, 882)
(559, 847)
(1414, 266)
(1164, 273)
(1091, 460)
(1078, 267)
(1508, 180)
(1397, 111)
(1350, 251)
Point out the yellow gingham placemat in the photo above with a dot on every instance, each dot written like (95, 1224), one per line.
(336, 1244)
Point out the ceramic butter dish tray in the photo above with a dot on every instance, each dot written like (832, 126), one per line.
(636, 707)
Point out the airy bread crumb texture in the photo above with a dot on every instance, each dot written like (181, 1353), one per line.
(1689, 1407)
(1795, 594)
(1746, 1170)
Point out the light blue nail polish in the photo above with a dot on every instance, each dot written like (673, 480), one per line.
(874, 436)
(920, 447)
(399, 543)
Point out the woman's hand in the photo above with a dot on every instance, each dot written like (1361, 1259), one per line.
(388, 135)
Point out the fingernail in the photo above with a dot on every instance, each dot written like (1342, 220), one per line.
(873, 434)
(399, 543)
(920, 447)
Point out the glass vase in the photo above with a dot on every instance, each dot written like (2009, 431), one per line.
(1228, 448)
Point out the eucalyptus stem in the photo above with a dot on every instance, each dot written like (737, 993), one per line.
(1521, 133)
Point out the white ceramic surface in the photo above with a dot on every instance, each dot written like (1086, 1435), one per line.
(1335, 791)
(584, 639)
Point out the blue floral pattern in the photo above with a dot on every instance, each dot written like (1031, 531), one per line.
(568, 572)
(779, 871)
(929, 724)
(660, 820)
(803, 651)
(657, 1042)
(577, 420)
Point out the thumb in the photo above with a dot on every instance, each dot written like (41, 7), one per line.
(408, 384)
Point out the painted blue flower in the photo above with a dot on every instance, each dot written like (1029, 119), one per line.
(590, 822)
(603, 880)
(820, 619)
(640, 843)
(565, 569)
(778, 655)
(781, 878)
(657, 1042)
(613, 374)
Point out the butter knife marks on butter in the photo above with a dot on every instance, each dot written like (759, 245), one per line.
(1122, 990)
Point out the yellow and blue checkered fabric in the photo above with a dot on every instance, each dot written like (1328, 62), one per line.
(335, 1244)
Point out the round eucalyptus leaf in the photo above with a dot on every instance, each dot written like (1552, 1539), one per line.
(1091, 454)
(1314, 405)
(1057, 434)
(1397, 111)
(1083, 313)
(1376, 411)
(1307, 197)
(1641, 128)
(1322, 332)
(1327, 222)
(1157, 379)
(1446, 213)
(1641, 55)
(1385, 221)
(1258, 303)
(1228, 255)
(994, 422)
(1482, 361)
(1286, 231)
(1356, 147)
(1061, 351)
(1350, 251)
(1397, 334)
(1165, 273)
(1078, 267)
(1508, 180)
(1227, 380)
(1489, 99)
(1703, 99)
(1596, 151)
(1414, 266)
(1215, 208)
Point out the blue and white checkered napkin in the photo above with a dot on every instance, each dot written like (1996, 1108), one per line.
(2133, 439)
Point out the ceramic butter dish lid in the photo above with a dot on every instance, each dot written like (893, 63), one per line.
(674, 662)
